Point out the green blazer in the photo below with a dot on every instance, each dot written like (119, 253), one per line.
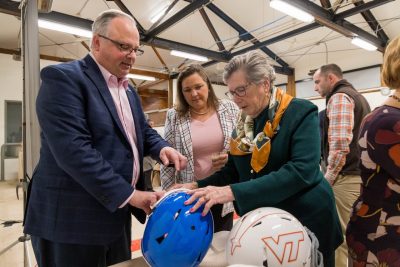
(291, 180)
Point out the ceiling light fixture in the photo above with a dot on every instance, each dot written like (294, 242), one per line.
(363, 44)
(140, 77)
(159, 14)
(291, 10)
(188, 55)
(55, 26)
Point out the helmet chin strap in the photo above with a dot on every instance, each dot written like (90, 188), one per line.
(317, 259)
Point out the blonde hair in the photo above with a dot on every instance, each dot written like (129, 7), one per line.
(391, 65)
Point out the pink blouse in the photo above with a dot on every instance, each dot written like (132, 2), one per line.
(207, 138)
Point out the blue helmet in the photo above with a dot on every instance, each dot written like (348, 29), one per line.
(174, 236)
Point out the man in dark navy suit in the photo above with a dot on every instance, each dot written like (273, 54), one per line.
(89, 179)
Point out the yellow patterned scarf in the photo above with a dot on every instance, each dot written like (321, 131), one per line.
(243, 141)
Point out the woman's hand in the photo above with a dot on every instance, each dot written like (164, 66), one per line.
(209, 196)
(219, 160)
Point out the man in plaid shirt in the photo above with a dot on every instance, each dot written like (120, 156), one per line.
(345, 109)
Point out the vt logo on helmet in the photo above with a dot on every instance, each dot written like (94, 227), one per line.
(175, 237)
(272, 237)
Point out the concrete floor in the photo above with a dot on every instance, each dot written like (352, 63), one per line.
(12, 209)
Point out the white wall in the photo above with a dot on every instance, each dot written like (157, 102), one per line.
(11, 86)
(363, 79)
(11, 89)
(374, 98)
(220, 91)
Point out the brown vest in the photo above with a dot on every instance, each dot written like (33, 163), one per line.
(361, 108)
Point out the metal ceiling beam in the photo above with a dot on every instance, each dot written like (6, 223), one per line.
(209, 63)
(244, 34)
(172, 45)
(360, 7)
(177, 17)
(163, 15)
(362, 34)
(126, 10)
(212, 30)
(373, 23)
(10, 8)
(279, 38)
(342, 26)
(67, 19)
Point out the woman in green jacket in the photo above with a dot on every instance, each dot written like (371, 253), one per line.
(274, 155)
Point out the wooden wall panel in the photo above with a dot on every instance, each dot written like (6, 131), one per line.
(158, 118)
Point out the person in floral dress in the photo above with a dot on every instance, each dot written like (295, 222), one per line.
(373, 233)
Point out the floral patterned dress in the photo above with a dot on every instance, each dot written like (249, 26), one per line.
(373, 233)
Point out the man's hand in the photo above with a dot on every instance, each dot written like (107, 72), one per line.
(145, 200)
(168, 156)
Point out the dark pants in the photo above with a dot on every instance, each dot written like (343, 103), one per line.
(221, 223)
(330, 262)
(54, 254)
(147, 180)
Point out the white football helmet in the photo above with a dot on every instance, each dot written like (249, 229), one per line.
(272, 237)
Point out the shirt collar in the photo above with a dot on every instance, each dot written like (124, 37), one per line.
(111, 80)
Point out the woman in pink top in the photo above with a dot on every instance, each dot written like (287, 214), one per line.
(200, 126)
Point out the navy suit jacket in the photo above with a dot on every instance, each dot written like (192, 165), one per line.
(85, 169)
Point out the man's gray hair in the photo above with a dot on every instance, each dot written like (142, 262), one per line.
(100, 24)
(255, 66)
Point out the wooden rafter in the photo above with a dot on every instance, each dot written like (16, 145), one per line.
(327, 5)
(133, 82)
(85, 45)
(152, 93)
(337, 5)
(160, 58)
(149, 85)
(235, 44)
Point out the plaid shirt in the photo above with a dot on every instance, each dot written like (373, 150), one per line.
(340, 111)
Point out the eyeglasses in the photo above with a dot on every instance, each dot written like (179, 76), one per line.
(125, 48)
(239, 91)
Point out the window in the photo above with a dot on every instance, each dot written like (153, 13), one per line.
(13, 122)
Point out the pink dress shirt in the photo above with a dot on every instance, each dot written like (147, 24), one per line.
(118, 88)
